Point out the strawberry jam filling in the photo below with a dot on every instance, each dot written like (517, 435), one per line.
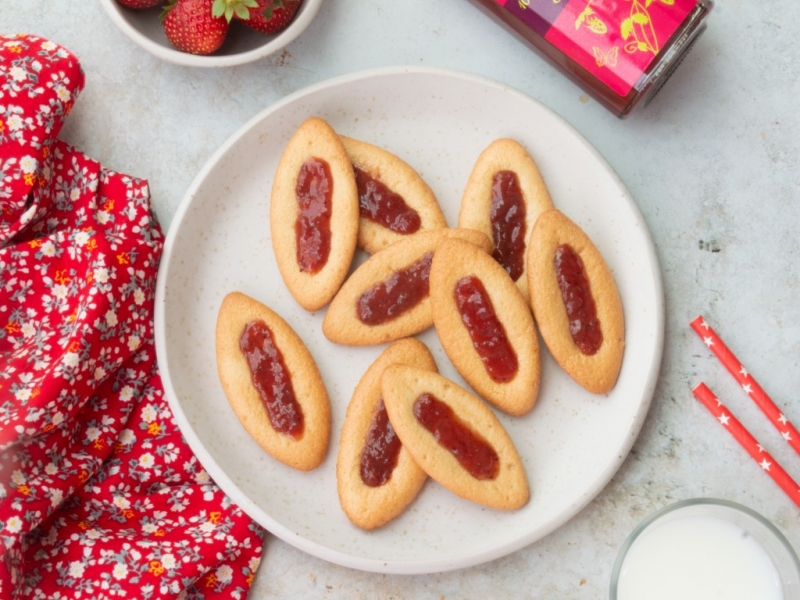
(486, 332)
(399, 293)
(473, 453)
(584, 326)
(379, 204)
(314, 189)
(507, 214)
(381, 450)
(271, 378)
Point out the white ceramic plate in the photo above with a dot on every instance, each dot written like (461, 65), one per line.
(438, 121)
(242, 45)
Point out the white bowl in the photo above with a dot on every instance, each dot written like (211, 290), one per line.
(706, 548)
(143, 27)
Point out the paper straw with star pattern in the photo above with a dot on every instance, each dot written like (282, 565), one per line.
(748, 383)
(748, 442)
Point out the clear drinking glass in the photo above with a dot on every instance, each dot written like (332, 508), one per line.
(706, 548)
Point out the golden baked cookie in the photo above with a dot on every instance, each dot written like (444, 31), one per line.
(386, 298)
(314, 214)
(589, 343)
(504, 195)
(394, 200)
(253, 339)
(485, 326)
(375, 475)
(490, 472)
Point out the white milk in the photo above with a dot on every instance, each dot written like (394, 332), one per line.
(697, 558)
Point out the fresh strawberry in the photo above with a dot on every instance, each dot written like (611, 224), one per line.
(271, 16)
(191, 27)
(137, 4)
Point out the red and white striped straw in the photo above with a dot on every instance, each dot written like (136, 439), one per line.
(748, 442)
(748, 383)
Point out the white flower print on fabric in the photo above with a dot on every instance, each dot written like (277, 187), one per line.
(100, 496)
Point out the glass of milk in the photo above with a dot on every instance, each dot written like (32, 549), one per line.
(706, 549)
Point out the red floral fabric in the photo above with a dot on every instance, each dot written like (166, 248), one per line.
(100, 496)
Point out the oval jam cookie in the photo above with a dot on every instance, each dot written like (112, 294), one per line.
(387, 297)
(314, 214)
(394, 201)
(455, 437)
(504, 195)
(485, 326)
(576, 302)
(272, 382)
(376, 476)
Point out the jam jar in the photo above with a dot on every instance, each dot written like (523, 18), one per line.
(620, 52)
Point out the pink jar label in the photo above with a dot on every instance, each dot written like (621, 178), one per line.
(615, 40)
